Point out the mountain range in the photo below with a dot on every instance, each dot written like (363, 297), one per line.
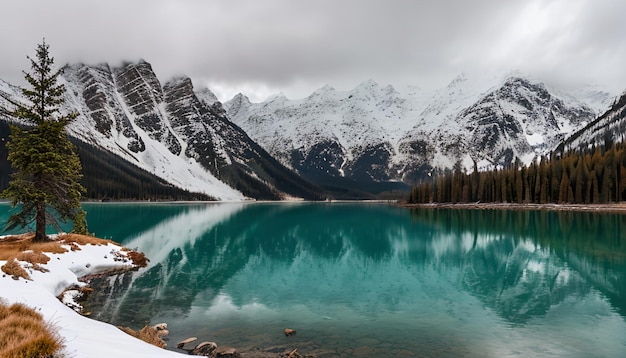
(344, 144)
(376, 134)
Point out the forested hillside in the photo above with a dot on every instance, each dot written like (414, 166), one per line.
(595, 175)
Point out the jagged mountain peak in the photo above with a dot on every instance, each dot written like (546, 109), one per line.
(207, 96)
(369, 91)
(390, 90)
(78, 66)
(239, 104)
(137, 63)
(370, 86)
(325, 88)
(458, 80)
(524, 82)
(322, 92)
(522, 87)
(241, 98)
(369, 83)
(180, 81)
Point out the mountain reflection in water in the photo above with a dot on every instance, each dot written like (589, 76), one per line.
(456, 282)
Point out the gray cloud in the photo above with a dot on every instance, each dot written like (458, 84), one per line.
(297, 46)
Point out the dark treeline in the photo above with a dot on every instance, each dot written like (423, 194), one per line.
(592, 176)
(108, 177)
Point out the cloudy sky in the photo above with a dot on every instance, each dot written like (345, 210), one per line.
(261, 47)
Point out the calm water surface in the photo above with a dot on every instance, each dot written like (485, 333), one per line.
(370, 279)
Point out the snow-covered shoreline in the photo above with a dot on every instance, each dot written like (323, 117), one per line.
(83, 337)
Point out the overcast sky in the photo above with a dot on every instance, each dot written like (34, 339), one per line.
(261, 47)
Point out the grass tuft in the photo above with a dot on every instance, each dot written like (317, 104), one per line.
(138, 258)
(23, 333)
(33, 257)
(84, 240)
(15, 270)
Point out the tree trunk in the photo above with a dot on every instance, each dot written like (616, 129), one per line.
(40, 221)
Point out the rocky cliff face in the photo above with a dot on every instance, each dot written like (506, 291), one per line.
(519, 120)
(142, 93)
(105, 108)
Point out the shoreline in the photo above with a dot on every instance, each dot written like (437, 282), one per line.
(50, 293)
(600, 208)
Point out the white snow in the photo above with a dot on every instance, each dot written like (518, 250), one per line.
(535, 139)
(83, 337)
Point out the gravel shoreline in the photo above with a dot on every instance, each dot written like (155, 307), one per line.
(608, 208)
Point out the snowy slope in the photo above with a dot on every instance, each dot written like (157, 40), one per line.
(610, 126)
(92, 91)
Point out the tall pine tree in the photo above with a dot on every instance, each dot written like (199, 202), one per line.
(46, 184)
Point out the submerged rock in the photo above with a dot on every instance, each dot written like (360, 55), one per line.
(204, 349)
(182, 343)
(289, 332)
(226, 352)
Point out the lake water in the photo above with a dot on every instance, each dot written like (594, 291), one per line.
(371, 280)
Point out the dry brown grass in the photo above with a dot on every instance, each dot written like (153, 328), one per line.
(147, 334)
(23, 333)
(10, 246)
(33, 257)
(138, 258)
(84, 240)
(15, 270)
(22, 248)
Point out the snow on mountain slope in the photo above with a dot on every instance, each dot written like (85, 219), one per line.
(379, 134)
(607, 128)
(437, 140)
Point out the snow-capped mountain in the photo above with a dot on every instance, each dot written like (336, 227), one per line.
(179, 135)
(378, 134)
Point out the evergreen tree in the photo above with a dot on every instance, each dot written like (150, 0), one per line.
(46, 183)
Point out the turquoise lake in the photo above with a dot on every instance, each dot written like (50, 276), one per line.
(370, 280)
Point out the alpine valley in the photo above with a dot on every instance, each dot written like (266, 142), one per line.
(132, 131)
